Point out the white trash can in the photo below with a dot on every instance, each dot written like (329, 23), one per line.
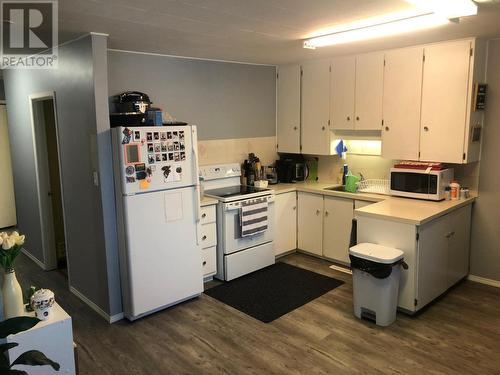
(376, 271)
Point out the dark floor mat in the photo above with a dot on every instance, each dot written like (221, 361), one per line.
(273, 291)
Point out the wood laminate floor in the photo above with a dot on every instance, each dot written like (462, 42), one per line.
(458, 334)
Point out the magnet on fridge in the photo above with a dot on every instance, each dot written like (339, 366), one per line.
(137, 135)
(150, 148)
(156, 136)
(183, 156)
(163, 136)
(127, 135)
(144, 184)
(130, 180)
(164, 157)
(158, 157)
(151, 159)
(149, 136)
(157, 147)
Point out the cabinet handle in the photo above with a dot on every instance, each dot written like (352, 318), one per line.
(326, 213)
(295, 128)
(348, 118)
(322, 128)
(203, 215)
(203, 238)
(452, 233)
(386, 128)
(294, 208)
(204, 262)
(357, 118)
(426, 128)
(318, 212)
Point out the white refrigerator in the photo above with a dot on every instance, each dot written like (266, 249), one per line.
(158, 212)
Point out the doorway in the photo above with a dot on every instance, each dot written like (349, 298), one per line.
(43, 107)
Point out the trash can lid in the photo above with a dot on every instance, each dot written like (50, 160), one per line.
(376, 253)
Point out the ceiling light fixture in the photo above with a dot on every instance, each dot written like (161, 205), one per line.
(404, 25)
(450, 9)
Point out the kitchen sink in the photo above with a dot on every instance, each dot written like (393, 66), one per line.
(335, 188)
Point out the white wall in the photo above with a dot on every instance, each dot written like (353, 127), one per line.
(485, 245)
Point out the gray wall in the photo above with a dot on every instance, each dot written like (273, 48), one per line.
(485, 248)
(81, 140)
(225, 100)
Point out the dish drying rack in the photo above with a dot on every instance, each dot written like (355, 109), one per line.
(374, 185)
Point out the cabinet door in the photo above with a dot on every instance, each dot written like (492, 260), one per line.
(343, 82)
(310, 222)
(401, 103)
(286, 223)
(289, 108)
(337, 224)
(459, 244)
(432, 277)
(369, 90)
(315, 107)
(444, 101)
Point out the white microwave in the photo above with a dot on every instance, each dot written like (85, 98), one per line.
(420, 183)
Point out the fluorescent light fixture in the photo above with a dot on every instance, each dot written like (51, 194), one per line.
(447, 8)
(400, 26)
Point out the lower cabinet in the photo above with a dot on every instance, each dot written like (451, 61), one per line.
(208, 241)
(337, 226)
(324, 225)
(310, 223)
(437, 253)
(286, 222)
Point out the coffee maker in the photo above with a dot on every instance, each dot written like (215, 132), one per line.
(291, 168)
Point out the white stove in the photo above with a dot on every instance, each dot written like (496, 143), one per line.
(238, 255)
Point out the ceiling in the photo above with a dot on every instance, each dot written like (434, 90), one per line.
(257, 31)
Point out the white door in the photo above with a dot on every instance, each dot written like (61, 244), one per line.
(7, 201)
(163, 259)
(316, 107)
(285, 238)
(369, 90)
(289, 108)
(310, 222)
(459, 244)
(401, 103)
(432, 274)
(343, 83)
(337, 225)
(444, 101)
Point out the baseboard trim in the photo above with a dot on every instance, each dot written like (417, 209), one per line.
(34, 259)
(97, 309)
(483, 280)
(341, 269)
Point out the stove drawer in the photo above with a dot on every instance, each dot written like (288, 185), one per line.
(208, 235)
(208, 214)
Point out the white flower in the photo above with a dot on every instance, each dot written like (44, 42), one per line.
(4, 235)
(19, 240)
(8, 243)
(1, 240)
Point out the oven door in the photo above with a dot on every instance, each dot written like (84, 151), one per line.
(230, 236)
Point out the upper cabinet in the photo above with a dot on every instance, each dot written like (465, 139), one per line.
(315, 131)
(289, 108)
(369, 91)
(343, 82)
(401, 103)
(356, 91)
(421, 98)
(444, 101)
(428, 100)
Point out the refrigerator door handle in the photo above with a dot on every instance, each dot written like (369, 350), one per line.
(194, 146)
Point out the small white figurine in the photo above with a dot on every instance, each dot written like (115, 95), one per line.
(41, 302)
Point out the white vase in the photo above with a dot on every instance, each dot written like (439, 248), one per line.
(13, 304)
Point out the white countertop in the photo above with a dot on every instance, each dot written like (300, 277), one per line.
(208, 201)
(411, 211)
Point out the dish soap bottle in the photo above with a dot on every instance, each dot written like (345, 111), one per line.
(455, 190)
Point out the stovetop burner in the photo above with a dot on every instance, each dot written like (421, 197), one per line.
(234, 191)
